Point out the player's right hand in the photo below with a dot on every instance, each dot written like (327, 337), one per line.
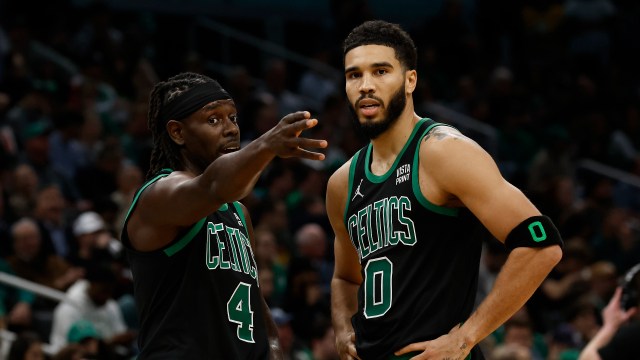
(285, 141)
(346, 345)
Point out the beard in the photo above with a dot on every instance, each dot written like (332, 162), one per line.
(373, 129)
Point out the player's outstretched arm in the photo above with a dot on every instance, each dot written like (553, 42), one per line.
(346, 275)
(183, 198)
(464, 173)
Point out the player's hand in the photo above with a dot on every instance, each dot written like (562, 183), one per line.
(450, 346)
(285, 141)
(346, 345)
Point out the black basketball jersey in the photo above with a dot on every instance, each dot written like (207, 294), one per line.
(419, 261)
(198, 297)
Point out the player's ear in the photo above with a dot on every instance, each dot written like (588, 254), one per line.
(174, 128)
(411, 81)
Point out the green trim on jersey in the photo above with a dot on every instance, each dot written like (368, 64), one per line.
(352, 171)
(415, 183)
(224, 207)
(380, 178)
(171, 250)
(135, 199)
(241, 213)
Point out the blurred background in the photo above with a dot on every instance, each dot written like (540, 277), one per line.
(550, 88)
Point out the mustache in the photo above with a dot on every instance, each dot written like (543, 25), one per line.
(368, 96)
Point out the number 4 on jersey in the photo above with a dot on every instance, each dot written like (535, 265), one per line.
(239, 312)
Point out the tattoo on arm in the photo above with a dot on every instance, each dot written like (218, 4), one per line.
(441, 132)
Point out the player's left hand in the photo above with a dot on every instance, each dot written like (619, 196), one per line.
(450, 346)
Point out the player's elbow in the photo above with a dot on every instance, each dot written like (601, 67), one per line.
(551, 256)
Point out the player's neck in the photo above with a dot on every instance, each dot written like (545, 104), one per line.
(390, 143)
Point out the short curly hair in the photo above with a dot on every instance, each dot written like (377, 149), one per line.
(378, 32)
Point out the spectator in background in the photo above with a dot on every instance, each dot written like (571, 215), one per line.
(271, 215)
(275, 83)
(613, 340)
(31, 262)
(97, 180)
(92, 299)
(84, 334)
(618, 239)
(305, 299)
(602, 277)
(519, 331)
(311, 250)
(94, 243)
(316, 84)
(24, 191)
(66, 151)
(50, 216)
(289, 342)
(568, 281)
(581, 317)
(84, 340)
(27, 346)
(37, 154)
(15, 304)
(267, 258)
(510, 352)
(70, 352)
(322, 343)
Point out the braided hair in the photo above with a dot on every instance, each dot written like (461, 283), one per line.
(165, 152)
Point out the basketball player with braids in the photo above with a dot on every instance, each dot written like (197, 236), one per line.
(188, 240)
(404, 210)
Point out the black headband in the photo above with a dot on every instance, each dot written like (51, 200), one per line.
(193, 100)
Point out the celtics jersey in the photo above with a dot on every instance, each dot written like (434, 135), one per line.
(419, 261)
(198, 297)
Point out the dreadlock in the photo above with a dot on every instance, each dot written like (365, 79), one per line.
(165, 152)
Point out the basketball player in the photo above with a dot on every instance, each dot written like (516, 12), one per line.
(188, 240)
(404, 209)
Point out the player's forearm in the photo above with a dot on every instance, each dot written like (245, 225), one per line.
(231, 177)
(521, 275)
(344, 303)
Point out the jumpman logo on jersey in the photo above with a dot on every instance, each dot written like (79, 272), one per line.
(358, 191)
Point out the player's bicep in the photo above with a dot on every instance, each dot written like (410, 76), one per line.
(468, 173)
(176, 200)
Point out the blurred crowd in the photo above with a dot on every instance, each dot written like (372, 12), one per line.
(559, 82)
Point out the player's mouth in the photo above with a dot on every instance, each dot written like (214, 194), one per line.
(230, 148)
(369, 107)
